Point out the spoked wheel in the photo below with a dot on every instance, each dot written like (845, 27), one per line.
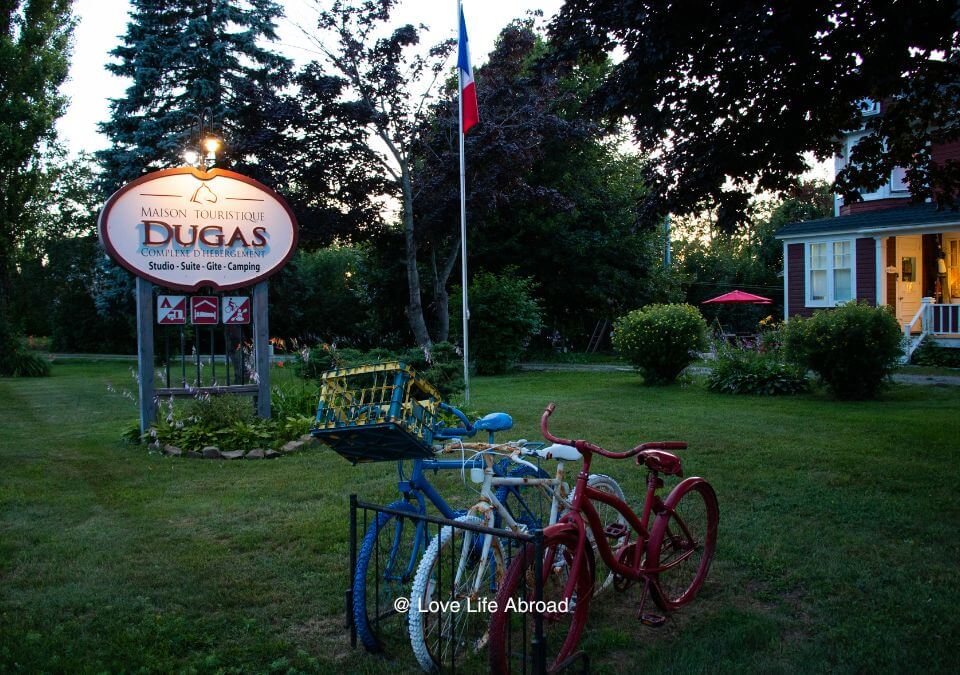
(512, 623)
(385, 567)
(528, 506)
(682, 541)
(608, 516)
(451, 571)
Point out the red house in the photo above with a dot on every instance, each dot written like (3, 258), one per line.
(883, 250)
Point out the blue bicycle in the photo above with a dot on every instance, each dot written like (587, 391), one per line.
(393, 545)
(387, 412)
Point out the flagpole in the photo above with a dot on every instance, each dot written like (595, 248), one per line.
(463, 225)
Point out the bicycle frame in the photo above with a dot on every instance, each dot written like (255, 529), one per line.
(489, 507)
(420, 488)
(583, 514)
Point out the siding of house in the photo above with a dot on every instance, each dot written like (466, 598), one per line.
(796, 303)
(941, 153)
(867, 270)
(873, 205)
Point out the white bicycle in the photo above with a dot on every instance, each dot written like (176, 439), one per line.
(449, 600)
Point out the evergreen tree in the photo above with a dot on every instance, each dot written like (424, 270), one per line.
(184, 56)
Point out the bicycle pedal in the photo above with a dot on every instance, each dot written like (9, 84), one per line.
(615, 530)
(652, 620)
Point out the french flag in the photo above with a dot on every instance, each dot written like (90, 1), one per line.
(468, 92)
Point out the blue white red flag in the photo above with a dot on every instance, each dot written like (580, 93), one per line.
(468, 92)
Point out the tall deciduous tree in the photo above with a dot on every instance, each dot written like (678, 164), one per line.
(34, 61)
(393, 78)
(547, 192)
(733, 94)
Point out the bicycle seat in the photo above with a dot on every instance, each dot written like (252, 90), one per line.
(661, 462)
(563, 453)
(494, 422)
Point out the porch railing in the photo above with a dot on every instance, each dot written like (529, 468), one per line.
(931, 319)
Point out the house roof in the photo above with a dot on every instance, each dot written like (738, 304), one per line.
(918, 216)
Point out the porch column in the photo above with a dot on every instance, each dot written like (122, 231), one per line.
(880, 273)
(786, 284)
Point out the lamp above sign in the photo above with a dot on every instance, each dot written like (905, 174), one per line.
(184, 228)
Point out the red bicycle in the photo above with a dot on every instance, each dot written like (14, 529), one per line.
(671, 558)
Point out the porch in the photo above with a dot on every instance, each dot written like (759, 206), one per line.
(918, 275)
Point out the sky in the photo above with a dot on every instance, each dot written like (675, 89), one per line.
(102, 22)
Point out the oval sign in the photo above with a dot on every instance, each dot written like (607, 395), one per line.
(184, 228)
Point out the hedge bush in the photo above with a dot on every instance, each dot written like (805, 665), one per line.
(660, 340)
(853, 348)
(504, 316)
(738, 371)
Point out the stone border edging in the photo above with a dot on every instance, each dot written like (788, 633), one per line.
(213, 452)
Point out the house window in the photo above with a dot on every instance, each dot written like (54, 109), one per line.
(818, 272)
(830, 278)
(842, 271)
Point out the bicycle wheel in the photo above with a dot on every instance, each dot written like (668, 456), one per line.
(512, 625)
(385, 565)
(528, 507)
(451, 570)
(608, 516)
(683, 540)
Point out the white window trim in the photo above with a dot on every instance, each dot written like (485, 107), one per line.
(829, 301)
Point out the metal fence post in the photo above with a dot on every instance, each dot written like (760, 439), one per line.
(539, 640)
(353, 566)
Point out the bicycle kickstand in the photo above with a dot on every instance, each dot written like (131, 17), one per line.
(648, 618)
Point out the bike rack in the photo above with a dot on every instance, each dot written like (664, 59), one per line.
(533, 661)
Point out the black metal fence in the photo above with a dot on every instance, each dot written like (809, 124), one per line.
(390, 556)
(205, 356)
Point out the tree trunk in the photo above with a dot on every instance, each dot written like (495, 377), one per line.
(440, 303)
(440, 296)
(415, 304)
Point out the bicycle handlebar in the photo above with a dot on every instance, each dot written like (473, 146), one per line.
(452, 432)
(586, 446)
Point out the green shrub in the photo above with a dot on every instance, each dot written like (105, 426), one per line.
(24, 363)
(16, 360)
(228, 421)
(504, 315)
(292, 400)
(929, 354)
(738, 371)
(310, 362)
(853, 348)
(222, 411)
(660, 340)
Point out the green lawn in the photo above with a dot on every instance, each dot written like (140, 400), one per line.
(838, 550)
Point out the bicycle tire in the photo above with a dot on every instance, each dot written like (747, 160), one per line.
(605, 483)
(517, 583)
(361, 618)
(423, 590)
(509, 496)
(691, 513)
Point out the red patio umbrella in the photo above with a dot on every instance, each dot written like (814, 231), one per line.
(738, 298)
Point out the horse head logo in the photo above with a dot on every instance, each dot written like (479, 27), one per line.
(204, 195)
